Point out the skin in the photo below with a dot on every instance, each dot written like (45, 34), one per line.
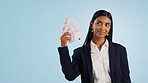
(65, 39)
(101, 27)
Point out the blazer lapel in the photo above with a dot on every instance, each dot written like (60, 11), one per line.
(88, 61)
(111, 59)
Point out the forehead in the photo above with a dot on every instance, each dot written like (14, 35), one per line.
(103, 19)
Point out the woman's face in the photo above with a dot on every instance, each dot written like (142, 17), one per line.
(101, 26)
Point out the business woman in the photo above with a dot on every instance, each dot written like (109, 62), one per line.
(99, 60)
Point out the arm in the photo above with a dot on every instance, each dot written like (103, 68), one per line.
(125, 67)
(70, 69)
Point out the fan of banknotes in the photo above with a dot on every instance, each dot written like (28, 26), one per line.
(73, 28)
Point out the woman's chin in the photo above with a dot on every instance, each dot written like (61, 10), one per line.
(100, 36)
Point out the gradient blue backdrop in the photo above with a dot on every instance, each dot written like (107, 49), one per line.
(30, 33)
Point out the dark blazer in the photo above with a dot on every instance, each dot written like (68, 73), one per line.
(81, 63)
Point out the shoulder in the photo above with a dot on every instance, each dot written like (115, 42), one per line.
(79, 49)
(117, 45)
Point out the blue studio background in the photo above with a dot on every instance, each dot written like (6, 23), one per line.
(30, 33)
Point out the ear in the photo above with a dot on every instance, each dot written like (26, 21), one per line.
(91, 24)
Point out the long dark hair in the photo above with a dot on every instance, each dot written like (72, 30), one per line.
(90, 33)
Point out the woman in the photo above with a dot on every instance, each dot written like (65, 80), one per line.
(99, 60)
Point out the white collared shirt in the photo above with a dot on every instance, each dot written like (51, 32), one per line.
(100, 62)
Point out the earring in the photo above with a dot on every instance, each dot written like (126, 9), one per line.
(92, 29)
(107, 34)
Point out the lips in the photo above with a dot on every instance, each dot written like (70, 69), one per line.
(101, 32)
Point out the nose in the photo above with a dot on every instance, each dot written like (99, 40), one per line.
(102, 27)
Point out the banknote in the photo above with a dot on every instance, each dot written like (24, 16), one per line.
(73, 27)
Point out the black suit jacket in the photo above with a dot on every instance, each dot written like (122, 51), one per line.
(81, 63)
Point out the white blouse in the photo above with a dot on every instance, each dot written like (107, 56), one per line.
(100, 62)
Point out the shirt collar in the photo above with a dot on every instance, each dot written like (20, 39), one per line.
(105, 44)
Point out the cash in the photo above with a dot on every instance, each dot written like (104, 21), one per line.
(73, 28)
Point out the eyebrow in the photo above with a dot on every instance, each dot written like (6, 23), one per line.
(101, 21)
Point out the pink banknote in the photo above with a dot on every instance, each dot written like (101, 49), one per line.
(73, 28)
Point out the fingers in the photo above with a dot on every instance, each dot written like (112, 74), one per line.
(65, 39)
(66, 34)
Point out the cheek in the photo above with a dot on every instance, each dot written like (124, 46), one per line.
(107, 29)
(96, 27)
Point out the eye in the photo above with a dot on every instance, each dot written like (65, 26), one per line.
(107, 24)
(99, 23)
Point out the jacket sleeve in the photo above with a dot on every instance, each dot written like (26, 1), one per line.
(125, 67)
(70, 69)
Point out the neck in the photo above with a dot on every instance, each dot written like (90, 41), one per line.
(98, 41)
